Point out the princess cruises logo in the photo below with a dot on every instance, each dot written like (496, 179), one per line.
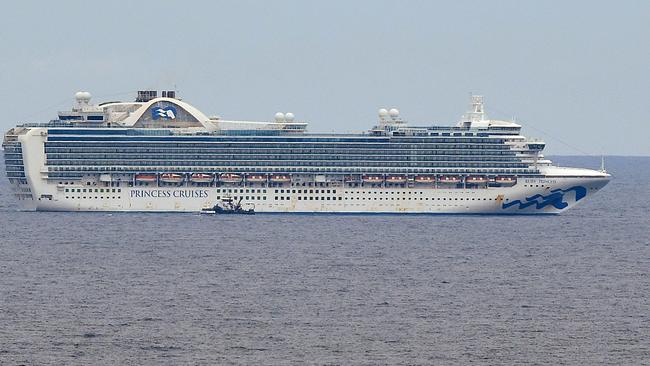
(163, 113)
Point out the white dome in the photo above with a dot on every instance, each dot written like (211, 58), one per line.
(279, 117)
(383, 112)
(289, 117)
(394, 112)
(82, 96)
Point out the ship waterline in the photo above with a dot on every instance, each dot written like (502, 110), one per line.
(162, 154)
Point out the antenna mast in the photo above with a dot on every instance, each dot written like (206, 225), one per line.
(476, 112)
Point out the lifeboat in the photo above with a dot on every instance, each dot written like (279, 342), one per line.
(280, 178)
(396, 179)
(145, 177)
(171, 177)
(505, 180)
(201, 178)
(425, 179)
(256, 178)
(449, 179)
(372, 179)
(476, 179)
(230, 178)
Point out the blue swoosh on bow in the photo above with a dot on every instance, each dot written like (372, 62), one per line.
(556, 199)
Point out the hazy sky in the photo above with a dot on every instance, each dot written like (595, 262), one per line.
(574, 73)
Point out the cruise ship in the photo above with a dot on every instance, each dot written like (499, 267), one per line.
(160, 153)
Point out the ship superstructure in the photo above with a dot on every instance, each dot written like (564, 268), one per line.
(163, 154)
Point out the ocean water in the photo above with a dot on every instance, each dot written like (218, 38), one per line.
(151, 289)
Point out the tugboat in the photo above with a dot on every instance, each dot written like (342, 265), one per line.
(228, 206)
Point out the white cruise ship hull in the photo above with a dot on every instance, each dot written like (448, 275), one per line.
(530, 196)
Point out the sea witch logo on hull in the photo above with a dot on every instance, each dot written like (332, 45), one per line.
(555, 199)
(163, 113)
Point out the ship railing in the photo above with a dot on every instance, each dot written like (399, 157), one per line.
(52, 123)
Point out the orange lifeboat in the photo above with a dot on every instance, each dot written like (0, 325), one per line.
(425, 179)
(256, 178)
(505, 180)
(396, 179)
(230, 178)
(449, 179)
(145, 178)
(476, 179)
(171, 177)
(372, 179)
(201, 178)
(280, 178)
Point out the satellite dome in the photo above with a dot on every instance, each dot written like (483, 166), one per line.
(82, 96)
(383, 112)
(289, 117)
(394, 112)
(279, 117)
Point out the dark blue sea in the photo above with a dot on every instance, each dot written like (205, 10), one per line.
(152, 289)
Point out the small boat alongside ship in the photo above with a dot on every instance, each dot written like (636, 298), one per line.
(227, 205)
